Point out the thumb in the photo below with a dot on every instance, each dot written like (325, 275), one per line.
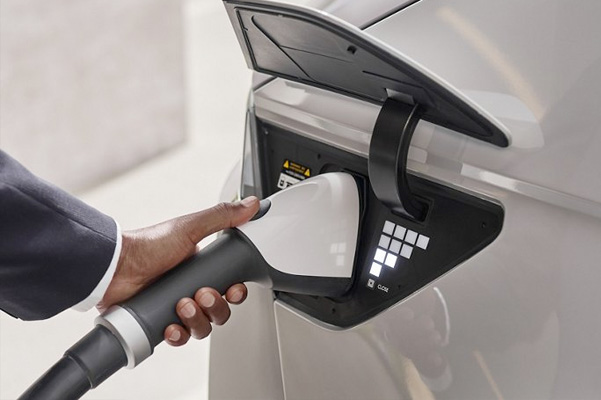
(224, 215)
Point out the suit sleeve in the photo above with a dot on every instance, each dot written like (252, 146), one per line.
(54, 249)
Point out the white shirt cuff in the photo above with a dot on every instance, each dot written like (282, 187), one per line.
(98, 292)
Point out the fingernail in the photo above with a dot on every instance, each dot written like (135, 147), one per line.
(188, 310)
(247, 202)
(207, 300)
(236, 296)
(175, 336)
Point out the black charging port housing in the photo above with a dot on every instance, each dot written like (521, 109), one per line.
(457, 226)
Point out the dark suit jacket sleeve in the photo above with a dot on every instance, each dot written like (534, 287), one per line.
(54, 249)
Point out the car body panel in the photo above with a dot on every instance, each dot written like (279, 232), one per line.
(358, 13)
(534, 65)
(522, 318)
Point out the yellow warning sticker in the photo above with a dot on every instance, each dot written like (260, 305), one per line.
(296, 168)
(292, 172)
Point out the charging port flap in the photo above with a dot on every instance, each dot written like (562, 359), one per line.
(311, 47)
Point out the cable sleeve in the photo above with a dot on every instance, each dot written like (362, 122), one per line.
(84, 366)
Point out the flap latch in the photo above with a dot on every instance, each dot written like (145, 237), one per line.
(388, 152)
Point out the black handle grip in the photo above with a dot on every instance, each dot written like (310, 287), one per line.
(230, 259)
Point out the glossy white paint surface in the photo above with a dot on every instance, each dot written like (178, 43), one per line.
(534, 65)
(358, 13)
(523, 313)
(316, 221)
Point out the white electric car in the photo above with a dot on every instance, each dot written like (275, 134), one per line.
(474, 129)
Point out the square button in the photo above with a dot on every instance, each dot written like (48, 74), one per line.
(406, 251)
(399, 232)
(384, 241)
(380, 255)
(390, 260)
(411, 237)
(422, 242)
(388, 228)
(395, 246)
(375, 269)
(370, 283)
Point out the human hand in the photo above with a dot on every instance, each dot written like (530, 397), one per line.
(148, 253)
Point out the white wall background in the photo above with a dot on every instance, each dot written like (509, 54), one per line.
(90, 86)
(181, 180)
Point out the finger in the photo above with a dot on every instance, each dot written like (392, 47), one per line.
(224, 215)
(175, 335)
(193, 318)
(213, 305)
(236, 294)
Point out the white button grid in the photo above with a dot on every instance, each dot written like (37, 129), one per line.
(411, 237)
(406, 251)
(390, 260)
(384, 241)
(380, 256)
(395, 241)
(399, 232)
(422, 242)
(388, 228)
(395, 246)
(375, 269)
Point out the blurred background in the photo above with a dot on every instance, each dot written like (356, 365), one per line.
(136, 107)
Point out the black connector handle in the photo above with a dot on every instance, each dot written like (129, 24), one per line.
(230, 259)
